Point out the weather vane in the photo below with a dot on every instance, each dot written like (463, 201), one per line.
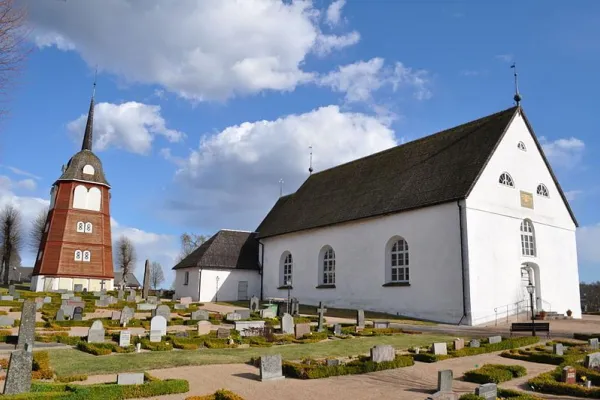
(517, 97)
(281, 187)
(310, 168)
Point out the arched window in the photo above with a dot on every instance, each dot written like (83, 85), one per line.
(88, 170)
(78, 255)
(542, 190)
(87, 256)
(88, 227)
(80, 226)
(80, 197)
(521, 146)
(397, 261)
(527, 238)
(506, 179)
(286, 265)
(93, 199)
(327, 267)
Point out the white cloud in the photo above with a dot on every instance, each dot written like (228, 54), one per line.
(21, 172)
(565, 153)
(504, 57)
(334, 12)
(358, 81)
(27, 184)
(130, 126)
(571, 195)
(198, 49)
(232, 179)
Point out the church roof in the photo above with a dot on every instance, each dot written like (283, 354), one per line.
(436, 169)
(224, 250)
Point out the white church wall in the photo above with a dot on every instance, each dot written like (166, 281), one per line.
(494, 216)
(432, 233)
(228, 282)
(189, 290)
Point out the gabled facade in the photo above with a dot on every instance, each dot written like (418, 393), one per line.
(76, 247)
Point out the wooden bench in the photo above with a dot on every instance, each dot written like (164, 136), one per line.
(528, 327)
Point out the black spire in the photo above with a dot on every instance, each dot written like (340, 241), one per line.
(89, 127)
(517, 97)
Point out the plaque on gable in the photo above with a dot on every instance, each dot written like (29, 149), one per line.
(526, 200)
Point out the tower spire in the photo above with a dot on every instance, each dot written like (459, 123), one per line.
(89, 126)
(517, 97)
(310, 167)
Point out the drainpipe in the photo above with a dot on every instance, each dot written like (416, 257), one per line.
(464, 270)
(262, 263)
(199, 282)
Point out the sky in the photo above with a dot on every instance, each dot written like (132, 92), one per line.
(203, 107)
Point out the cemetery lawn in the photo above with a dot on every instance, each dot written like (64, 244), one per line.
(343, 313)
(70, 362)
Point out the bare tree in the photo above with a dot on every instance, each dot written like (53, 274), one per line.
(13, 47)
(38, 226)
(156, 275)
(189, 243)
(10, 237)
(126, 256)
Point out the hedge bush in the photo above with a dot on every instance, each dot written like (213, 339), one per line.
(221, 394)
(549, 383)
(585, 336)
(41, 366)
(71, 378)
(503, 394)
(494, 373)
(317, 370)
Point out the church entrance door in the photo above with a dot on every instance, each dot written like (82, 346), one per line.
(243, 290)
(530, 274)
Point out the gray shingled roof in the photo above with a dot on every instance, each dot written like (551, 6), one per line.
(225, 250)
(75, 166)
(432, 170)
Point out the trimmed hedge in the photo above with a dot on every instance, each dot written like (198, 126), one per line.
(71, 378)
(103, 349)
(221, 394)
(572, 355)
(585, 336)
(317, 370)
(549, 383)
(494, 373)
(41, 366)
(503, 394)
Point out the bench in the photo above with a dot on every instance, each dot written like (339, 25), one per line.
(528, 327)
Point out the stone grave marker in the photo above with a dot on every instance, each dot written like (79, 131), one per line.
(155, 336)
(487, 391)
(254, 304)
(17, 296)
(270, 367)
(11, 290)
(337, 329)
(96, 332)
(146, 307)
(146, 280)
(445, 378)
(6, 321)
(200, 315)
(459, 344)
(120, 294)
(180, 306)
(162, 310)
(159, 323)
(558, 349)
(381, 324)
(6, 298)
(495, 339)
(47, 300)
(78, 287)
(78, 314)
(223, 333)
(295, 307)
(60, 315)
(131, 296)
(381, 353)
(38, 306)
(301, 330)
(440, 349)
(125, 338)
(131, 378)
(332, 362)
(281, 309)
(475, 343)
(115, 316)
(245, 314)
(569, 375)
(75, 299)
(593, 343)
(27, 325)
(18, 376)
(592, 361)
(443, 396)
(65, 296)
(267, 313)
(126, 315)
(249, 328)
(204, 328)
(321, 310)
(102, 303)
(185, 300)
(287, 324)
(152, 299)
(360, 318)
(233, 317)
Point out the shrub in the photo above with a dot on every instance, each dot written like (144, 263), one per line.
(156, 346)
(494, 373)
(429, 357)
(317, 370)
(585, 336)
(515, 395)
(548, 383)
(221, 394)
(103, 349)
(71, 378)
(471, 396)
(41, 366)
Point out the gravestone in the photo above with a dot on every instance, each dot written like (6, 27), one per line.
(381, 353)
(281, 309)
(131, 296)
(131, 378)
(592, 361)
(200, 315)
(233, 317)
(96, 332)
(78, 314)
(445, 378)
(152, 299)
(185, 300)
(250, 328)
(155, 336)
(267, 313)
(204, 328)
(163, 311)
(295, 307)
(287, 324)
(321, 310)
(301, 329)
(78, 287)
(102, 303)
(223, 333)
(120, 294)
(245, 314)
(270, 367)
(125, 338)
(6, 298)
(181, 306)
(146, 307)
(18, 376)
(126, 315)
(440, 349)
(487, 391)
(495, 339)
(60, 315)
(17, 296)
(474, 343)
(115, 316)
(254, 304)
(65, 296)
(47, 300)
(360, 318)
(332, 362)
(337, 329)
(11, 290)
(6, 321)
(443, 396)
(38, 306)
(159, 323)
(381, 324)
(75, 299)
(27, 325)
(146, 280)
(569, 375)
(459, 344)
(558, 349)
(593, 343)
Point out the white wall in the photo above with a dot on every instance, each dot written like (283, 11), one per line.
(494, 215)
(432, 234)
(228, 281)
(41, 283)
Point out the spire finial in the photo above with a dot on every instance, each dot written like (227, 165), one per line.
(281, 187)
(310, 168)
(517, 97)
(89, 126)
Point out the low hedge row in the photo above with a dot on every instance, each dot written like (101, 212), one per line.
(503, 394)
(585, 336)
(41, 366)
(363, 365)
(102, 349)
(494, 373)
(221, 394)
(71, 378)
(549, 383)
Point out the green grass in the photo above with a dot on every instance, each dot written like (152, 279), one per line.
(69, 362)
(342, 313)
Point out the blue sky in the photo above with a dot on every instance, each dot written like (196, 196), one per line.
(203, 106)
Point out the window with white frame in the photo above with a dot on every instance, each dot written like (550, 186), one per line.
(88, 227)
(542, 190)
(186, 278)
(80, 226)
(87, 255)
(398, 261)
(506, 180)
(328, 266)
(78, 255)
(521, 146)
(287, 263)
(527, 238)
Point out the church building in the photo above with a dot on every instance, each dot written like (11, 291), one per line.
(455, 227)
(76, 248)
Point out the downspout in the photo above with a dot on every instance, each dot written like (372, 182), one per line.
(199, 282)
(464, 270)
(260, 271)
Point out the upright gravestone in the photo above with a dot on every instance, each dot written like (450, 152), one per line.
(270, 367)
(11, 290)
(125, 338)
(360, 318)
(245, 314)
(301, 330)
(96, 332)
(120, 294)
(254, 304)
(115, 316)
(47, 300)
(60, 315)
(6, 321)
(131, 296)
(295, 307)
(131, 378)
(337, 329)
(204, 328)
(592, 361)
(199, 315)
(159, 323)
(78, 287)
(459, 344)
(488, 391)
(146, 280)
(569, 375)
(287, 324)
(558, 349)
(445, 378)
(321, 310)
(383, 353)
(233, 317)
(126, 315)
(593, 343)
(27, 326)
(474, 343)
(185, 300)
(495, 339)
(267, 313)
(18, 376)
(152, 299)
(78, 314)
(440, 349)
(163, 311)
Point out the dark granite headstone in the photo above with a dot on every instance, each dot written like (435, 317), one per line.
(78, 313)
(18, 376)
(569, 375)
(27, 326)
(60, 315)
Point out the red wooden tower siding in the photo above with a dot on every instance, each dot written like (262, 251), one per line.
(76, 247)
